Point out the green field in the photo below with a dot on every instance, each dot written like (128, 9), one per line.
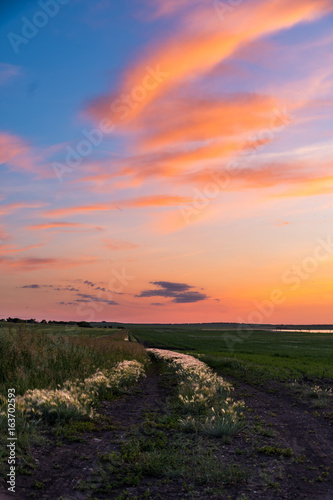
(246, 353)
(55, 329)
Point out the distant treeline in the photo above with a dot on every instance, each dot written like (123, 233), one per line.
(83, 324)
(106, 324)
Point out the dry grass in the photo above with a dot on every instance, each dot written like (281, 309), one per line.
(35, 360)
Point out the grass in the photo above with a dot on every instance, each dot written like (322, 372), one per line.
(251, 355)
(158, 448)
(319, 397)
(275, 450)
(37, 357)
(183, 458)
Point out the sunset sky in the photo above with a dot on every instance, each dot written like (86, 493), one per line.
(167, 161)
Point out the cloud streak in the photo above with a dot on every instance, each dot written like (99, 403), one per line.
(6, 209)
(84, 297)
(140, 202)
(36, 263)
(63, 226)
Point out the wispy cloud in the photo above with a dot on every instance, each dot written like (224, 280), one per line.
(10, 249)
(205, 119)
(79, 209)
(52, 225)
(84, 297)
(65, 289)
(8, 208)
(140, 202)
(56, 288)
(205, 42)
(36, 263)
(17, 153)
(63, 226)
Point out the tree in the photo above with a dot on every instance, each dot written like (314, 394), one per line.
(15, 320)
(84, 324)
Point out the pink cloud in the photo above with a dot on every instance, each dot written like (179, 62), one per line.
(9, 208)
(201, 43)
(55, 225)
(64, 212)
(191, 120)
(10, 249)
(18, 154)
(11, 146)
(142, 202)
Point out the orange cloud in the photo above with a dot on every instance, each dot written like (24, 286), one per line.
(312, 187)
(138, 168)
(207, 119)
(201, 43)
(198, 129)
(64, 212)
(52, 225)
(270, 175)
(65, 227)
(213, 184)
(142, 202)
(157, 201)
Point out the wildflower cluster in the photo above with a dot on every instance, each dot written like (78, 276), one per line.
(318, 392)
(320, 396)
(75, 399)
(204, 397)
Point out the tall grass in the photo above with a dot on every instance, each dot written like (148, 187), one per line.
(30, 359)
